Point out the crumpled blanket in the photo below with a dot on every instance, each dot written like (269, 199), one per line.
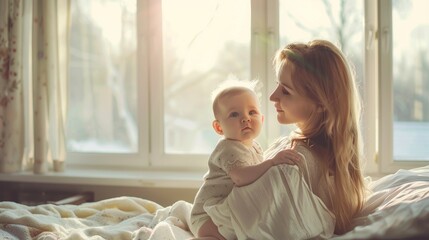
(116, 218)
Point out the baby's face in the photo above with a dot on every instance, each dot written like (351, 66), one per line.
(240, 117)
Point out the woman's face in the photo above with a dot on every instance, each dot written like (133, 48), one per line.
(292, 108)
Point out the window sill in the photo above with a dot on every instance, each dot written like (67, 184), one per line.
(111, 177)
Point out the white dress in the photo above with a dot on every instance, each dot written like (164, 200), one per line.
(283, 203)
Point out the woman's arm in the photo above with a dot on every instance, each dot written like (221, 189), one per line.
(242, 176)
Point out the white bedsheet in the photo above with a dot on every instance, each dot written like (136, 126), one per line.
(398, 209)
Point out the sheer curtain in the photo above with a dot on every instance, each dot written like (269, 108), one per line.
(33, 48)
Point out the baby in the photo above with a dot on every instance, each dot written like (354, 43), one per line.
(237, 159)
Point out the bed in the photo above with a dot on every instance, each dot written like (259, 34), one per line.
(397, 208)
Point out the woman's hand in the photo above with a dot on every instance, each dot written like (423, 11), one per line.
(287, 156)
(242, 176)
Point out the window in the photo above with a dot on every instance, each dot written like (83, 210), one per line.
(199, 50)
(102, 90)
(127, 57)
(103, 101)
(141, 74)
(404, 84)
(198, 55)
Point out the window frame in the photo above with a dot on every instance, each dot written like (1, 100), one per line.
(370, 93)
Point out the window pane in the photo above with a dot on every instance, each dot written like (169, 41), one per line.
(410, 79)
(202, 47)
(102, 77)
(338, 21)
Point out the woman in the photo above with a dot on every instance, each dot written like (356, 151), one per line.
(316, 92)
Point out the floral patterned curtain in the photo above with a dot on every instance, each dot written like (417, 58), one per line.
(11, 95)
(33, 47)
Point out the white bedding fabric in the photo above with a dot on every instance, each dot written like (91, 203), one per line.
(397, 209)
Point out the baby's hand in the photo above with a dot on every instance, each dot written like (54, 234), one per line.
(287, 156)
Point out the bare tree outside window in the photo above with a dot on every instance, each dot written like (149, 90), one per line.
(102, 71)
(202, 47)
(410, 66)
(339, 21)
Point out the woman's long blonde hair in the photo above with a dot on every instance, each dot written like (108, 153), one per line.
(322, 74)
